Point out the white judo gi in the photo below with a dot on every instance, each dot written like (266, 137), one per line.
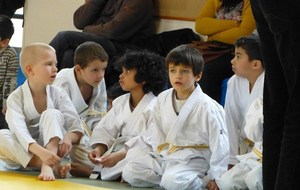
(182, 151)
(247, 174)
(120, 125)
(238, 99)
(90, 113)
(28, 126)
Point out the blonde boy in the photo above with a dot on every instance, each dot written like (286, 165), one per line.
(43, 123)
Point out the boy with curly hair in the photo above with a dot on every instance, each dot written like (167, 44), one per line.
(144, 77)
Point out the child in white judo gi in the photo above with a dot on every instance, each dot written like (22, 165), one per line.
(186, 145)
(85, 85)
(143, 76)
(43, 123)
(242, 89)
(247, 174)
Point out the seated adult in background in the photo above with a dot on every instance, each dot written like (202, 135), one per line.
(224, 21)
(115, 24)
(9, 7)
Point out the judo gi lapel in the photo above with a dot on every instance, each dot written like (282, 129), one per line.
(75, 93)
(139, 109)
(186, 110)
(29, 107)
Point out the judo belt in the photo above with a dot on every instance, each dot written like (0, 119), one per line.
(174, 148)
(258, 154)
(249, 142)
(96, 173)
(91, 113)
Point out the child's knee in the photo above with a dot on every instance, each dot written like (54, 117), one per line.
(168, 181)
(6, 137)
(52, 115)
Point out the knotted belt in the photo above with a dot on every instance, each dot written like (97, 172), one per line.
(174, 148)
(91, 113)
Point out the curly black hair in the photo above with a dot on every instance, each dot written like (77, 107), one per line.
(150, 69)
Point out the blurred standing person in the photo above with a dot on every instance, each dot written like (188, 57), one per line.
(278, 27)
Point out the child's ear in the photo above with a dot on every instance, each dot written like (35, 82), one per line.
(28, 69)
(77, 68)
(256, 64)
(198, 77)
(5, 42)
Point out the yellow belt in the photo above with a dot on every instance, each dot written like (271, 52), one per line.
(91, 113)
(258, 154)
(249, 142)
(174, 148)
(86, 128)
(95, 113)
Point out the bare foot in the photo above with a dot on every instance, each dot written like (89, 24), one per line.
(80, 170)
(63, 170)
(46, 173)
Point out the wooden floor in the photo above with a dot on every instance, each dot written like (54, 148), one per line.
(27, 180)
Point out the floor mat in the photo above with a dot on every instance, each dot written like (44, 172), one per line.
(16, 181)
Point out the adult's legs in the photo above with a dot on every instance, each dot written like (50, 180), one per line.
(214, 72)
(275, 99)
(68, 59)
(69, 40)
(3, 123)
(278, 29)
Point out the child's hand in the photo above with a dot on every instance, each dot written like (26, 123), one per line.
(112, 159)
(212, 185)
(4, 110)
(49, 158)
(94, 156)
(65, 147)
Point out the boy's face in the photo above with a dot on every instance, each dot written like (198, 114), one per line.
(127, 81)
(182, 78)
(93, 74)
(44, 69)
(241, 65)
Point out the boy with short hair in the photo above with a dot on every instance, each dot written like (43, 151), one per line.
(43, 123)
(186, 145)
(8, 66)
(85, 85)
(242, 89)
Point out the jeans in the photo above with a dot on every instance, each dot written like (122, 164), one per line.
(66, 42)
(278, 25)
(214, 72)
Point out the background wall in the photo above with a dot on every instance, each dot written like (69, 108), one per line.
(43, 19)
(178, 9)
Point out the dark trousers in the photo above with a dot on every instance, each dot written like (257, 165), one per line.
(3, 123)
(66, 42)
(278, 25)
(214, 72)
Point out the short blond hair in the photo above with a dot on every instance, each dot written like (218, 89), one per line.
(31, 53)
